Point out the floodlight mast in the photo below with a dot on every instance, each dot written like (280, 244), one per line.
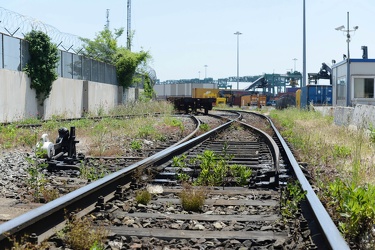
(347, 31)
(238, 58)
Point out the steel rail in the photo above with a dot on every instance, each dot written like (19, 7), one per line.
(331, 233)
(53, 214)
(269, 141)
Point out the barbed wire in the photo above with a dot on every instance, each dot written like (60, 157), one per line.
(17, 25)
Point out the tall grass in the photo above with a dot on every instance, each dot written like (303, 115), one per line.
(95, 132)
(342, 160)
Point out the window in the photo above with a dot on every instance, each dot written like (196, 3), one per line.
(12, 53)
(363, 87)
(341, 89)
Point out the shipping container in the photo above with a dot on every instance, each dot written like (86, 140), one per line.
(317, 95)
(253, 100)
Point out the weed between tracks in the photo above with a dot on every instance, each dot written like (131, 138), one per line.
(192, 198)
(214, 169)
(80, 234)
(342, 163)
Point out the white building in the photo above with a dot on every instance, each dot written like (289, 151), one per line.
(354, 84)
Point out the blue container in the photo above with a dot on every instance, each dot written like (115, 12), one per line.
(318, 95)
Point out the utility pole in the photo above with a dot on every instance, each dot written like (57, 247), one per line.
(128, 30)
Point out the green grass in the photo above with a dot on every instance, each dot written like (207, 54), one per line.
(333, 152)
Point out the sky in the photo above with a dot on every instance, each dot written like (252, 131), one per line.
(183, 36)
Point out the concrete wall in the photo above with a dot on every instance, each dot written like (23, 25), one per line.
(17, 99)
(360, 116)
(69, 98)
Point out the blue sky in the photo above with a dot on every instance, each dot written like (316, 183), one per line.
(184, 35)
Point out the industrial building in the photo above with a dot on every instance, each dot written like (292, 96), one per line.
(353, 81)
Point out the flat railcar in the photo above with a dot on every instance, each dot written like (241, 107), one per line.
(190, 104)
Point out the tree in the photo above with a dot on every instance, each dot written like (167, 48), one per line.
(126, 63)
(41, 67)
(104, 46)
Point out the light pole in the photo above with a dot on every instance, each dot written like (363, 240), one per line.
(238, 58)
(347, 31)
(205, 71)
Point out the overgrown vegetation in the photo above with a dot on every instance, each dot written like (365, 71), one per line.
(292, 195)
(192, 198)
(41, 67)
(105, 48)
(354, 209)
(214, 169)
(81, 234)
(143, 197)
(92, 173)
(341, 161)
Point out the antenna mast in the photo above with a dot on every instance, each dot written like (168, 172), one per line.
(107, 25)
(128, 31)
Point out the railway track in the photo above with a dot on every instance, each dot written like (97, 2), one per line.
(235, 215)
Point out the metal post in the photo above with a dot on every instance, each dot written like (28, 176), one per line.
(347, 30)
(304, 46)
(348, 98)
(238, 58)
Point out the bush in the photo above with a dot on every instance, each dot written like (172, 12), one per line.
(192, 199)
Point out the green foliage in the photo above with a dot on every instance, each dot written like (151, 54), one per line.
(143, 197)
(146, 131)
(99, 132)
(372, 134)
(104, 46)
(92, 173)
(216, 171)
(242, 173)
(126, 63)
(291, 199)
(179, 163)
(204, 127)
(149, 91)
(135, 145)
(81, 234)
(341, 151)
(8, 135)
(41, 67)
(356, 207)
(36, 180)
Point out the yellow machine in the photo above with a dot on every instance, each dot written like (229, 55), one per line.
(209, 93)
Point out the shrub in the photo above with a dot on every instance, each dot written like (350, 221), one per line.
(192, 199)
(81, 235)
(143, 197)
